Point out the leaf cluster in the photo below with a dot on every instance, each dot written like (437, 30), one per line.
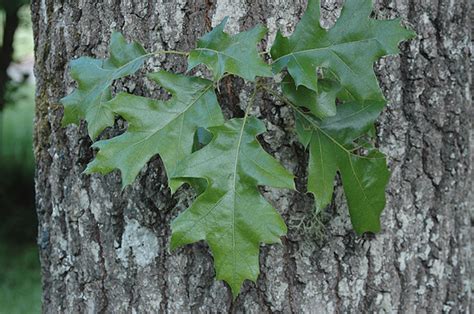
(330, 85)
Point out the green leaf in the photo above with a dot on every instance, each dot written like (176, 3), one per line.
(348, 49)
(94, 78)
(231, 215)
(333, 147)
(202, 137)
(321, 103)
(159, 127)
(237, 54)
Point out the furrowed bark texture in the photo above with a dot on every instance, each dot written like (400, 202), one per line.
(104, 250)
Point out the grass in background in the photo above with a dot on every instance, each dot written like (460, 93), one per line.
(18, 223)
(19, 280)
(16, 129)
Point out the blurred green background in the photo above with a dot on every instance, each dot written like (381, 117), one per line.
(20, 286)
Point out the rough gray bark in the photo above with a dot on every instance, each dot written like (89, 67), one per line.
(107, 251)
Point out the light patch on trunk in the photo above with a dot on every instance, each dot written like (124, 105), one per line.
(284, 17)
(171, 21)
(43, 12)
(234, 10)
(139, 242)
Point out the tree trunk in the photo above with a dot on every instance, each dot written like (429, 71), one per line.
(104, 250)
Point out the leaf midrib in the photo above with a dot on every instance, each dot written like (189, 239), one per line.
(293, 53)
(318, 128)
(236, 161)
(364, 108)
(234, 194)
(220, 52)
(358, 181)
(154, 132)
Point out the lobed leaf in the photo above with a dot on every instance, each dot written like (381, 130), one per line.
(231, 214)
(348, 49)
(237, 54)
(94, 78)
(332, 148)
(159, 127)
